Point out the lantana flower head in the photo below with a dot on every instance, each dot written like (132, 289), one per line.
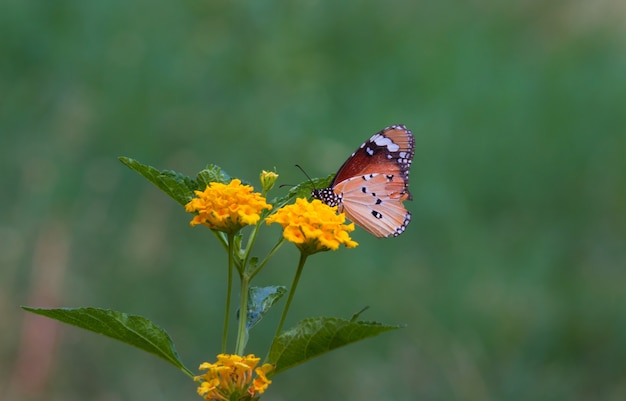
(232, 378)
(227, 207)
(313, 226)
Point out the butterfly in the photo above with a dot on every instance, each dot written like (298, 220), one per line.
(372, 184)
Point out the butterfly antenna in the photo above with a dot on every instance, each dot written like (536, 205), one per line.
(306, 175)
(294, 185)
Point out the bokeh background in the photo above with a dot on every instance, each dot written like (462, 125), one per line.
(511, 277)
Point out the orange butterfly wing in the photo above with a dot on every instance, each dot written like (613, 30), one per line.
(374, 202)
(372, 184)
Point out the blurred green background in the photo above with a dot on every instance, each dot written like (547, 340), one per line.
(511, 276)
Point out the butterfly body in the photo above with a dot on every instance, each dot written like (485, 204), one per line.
(372, 184)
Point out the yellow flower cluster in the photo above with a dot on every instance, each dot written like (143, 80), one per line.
(231, 378)
(313, 226)
(227, 207)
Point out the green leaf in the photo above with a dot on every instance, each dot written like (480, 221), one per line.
(316, 336)
(177, 185)
(130, 329)
(260, 301)
(210, 174)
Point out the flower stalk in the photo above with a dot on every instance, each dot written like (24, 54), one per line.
(231, 260)
(242, 332)
(292, 291)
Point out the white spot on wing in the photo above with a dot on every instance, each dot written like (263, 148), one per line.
(386, 142)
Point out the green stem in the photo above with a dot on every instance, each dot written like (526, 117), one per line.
(242, 335)
(231, 257)
(292, 291)
(267, 258)
(250, 243)
(221, 238)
